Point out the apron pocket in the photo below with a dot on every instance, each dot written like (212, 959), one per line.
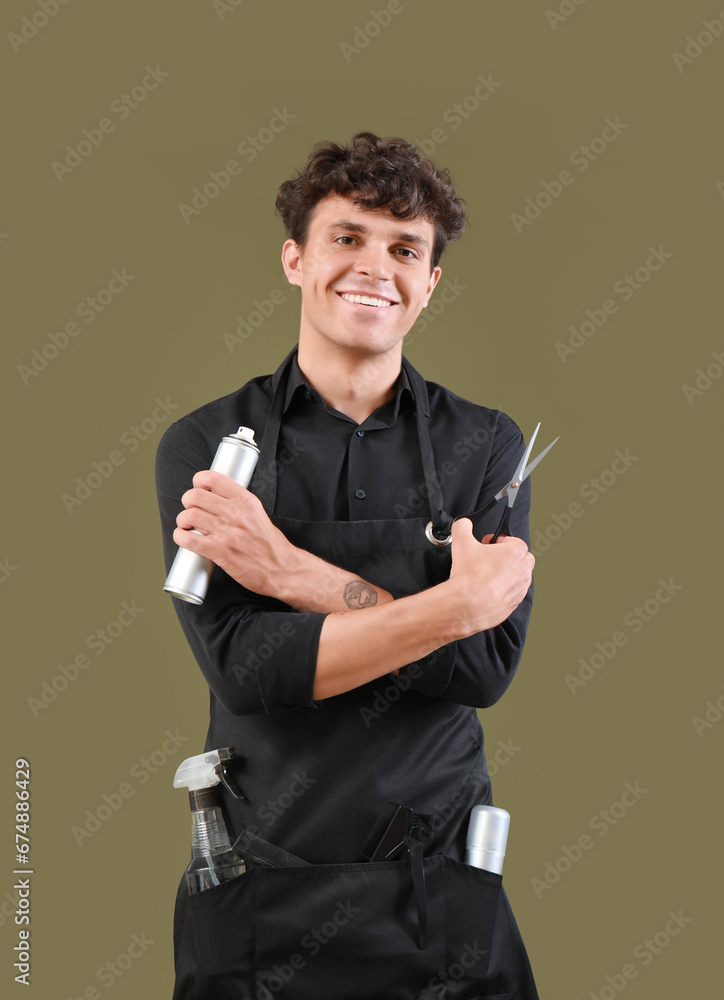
(323, 932)
(346, 930)
(223, 925)
(481, 954)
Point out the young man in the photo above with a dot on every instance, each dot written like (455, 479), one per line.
(345, 644)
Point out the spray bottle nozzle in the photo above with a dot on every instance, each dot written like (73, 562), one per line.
(206, 770)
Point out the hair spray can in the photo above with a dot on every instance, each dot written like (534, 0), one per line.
(487, 837)
(190, 573)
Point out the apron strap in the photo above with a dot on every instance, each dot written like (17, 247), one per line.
(264, 480)
(441, 522)
(418, 884)
(393, 831)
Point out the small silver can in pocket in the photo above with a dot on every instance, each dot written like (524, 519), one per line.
(487, 837)
(190, 573)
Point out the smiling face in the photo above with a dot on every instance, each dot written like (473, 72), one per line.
(365, 277)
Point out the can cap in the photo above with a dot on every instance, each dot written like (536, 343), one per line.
(488, 829)
(245, 433)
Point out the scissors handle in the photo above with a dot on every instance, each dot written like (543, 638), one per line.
(477, 517)
(504, 526)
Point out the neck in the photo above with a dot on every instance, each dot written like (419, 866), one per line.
(356, 384)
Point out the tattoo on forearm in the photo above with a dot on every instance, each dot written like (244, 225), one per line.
(359, 594)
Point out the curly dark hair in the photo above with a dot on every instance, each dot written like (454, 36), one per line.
(382, 173)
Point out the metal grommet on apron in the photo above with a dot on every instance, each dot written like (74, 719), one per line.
(340, 927)
(430, 535)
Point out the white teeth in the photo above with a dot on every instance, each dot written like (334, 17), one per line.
(366, 300)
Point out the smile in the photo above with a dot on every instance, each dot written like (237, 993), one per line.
(366, 300)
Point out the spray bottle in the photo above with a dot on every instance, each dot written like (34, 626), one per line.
(213, 860)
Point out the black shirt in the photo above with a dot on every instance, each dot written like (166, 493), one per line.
(331, 468)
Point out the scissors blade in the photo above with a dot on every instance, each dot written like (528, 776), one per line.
(510, 489)
(535, 461)
(518, 477)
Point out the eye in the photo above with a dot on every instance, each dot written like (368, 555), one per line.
(407, 250)
(337, 238)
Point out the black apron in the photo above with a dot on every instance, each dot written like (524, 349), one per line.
(423, 927)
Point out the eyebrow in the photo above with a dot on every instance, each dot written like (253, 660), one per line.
(358, 227)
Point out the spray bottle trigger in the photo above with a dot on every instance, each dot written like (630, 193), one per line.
(228, 780)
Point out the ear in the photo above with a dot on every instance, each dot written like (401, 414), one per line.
(292, 262)
(434, 278)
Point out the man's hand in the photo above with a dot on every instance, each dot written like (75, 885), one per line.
(236, 533)
(490, 580)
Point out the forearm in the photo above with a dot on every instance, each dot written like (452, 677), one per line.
(478, 670)
(228, 525)
(358, 647)
(308, 583)
(486, 584)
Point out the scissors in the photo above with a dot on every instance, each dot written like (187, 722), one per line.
(510, 490)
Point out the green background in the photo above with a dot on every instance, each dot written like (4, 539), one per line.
(230, 69)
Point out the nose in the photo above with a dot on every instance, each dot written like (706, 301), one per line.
(373, 260)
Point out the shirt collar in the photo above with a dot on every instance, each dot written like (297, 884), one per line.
(296, 382)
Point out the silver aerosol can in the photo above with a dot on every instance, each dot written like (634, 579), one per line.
(189, 577)
(487, 837)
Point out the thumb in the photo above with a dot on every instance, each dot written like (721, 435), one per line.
(462, 527)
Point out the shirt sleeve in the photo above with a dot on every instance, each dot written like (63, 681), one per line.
(478, 670)
(258, 655)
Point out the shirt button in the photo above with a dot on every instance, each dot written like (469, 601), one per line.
(360, 494)
(360, 434)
